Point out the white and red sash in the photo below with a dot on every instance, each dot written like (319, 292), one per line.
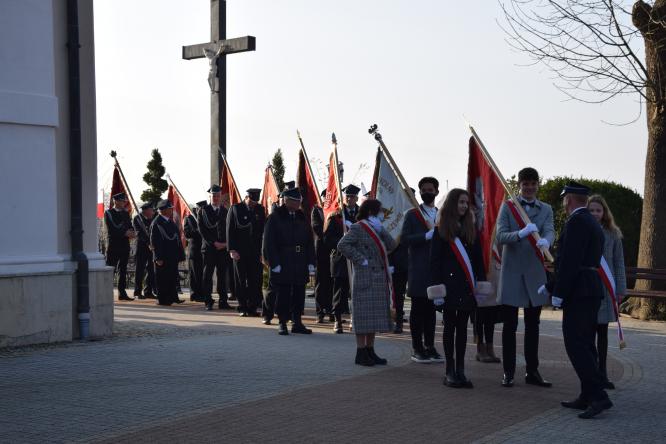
(382, 253)
(609, 282)
(462, 257)
(522, 224)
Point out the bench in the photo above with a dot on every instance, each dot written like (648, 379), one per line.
(649, 274)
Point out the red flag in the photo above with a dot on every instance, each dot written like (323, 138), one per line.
(270, 193)
(487, 195)
(228, 185)
(118, 187)
(100, 210)
(307, 185)
(180, 211)
(333, 200)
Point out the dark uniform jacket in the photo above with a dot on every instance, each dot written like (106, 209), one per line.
(165, 239)
(288, 243)
(398, 258)
(191, 230)
(332, 235)
(579, 248)
(445, 269)
(143, 236)
(117, 223)
(245, 229)
(413, 236)
(212, 226)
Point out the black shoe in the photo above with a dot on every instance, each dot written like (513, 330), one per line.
(178, 301)
(337, 328)
(149, 295)
(224, 306)
(507, 380)
(282, 329)
(209, 306)
(301, 329)
(451, 380)
(535, 378)
(266, 321)
(432, 354)
(398, 328)
(363, 358)
(243, 314)
(609, 385)
(420, 357)
(320, 319)
(464, 382)
(377, 359)
(124, 297)
(576, 404)
(594, 408)
(138, 295)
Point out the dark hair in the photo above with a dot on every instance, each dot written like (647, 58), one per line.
(451, 224)
(431, 180)
(528, 173)
(369, 207)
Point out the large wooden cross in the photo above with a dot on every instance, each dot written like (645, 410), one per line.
(216, 51)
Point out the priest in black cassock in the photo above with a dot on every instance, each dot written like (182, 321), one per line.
(245, 228)
(119, 231)
(167, 253)
(143, 258)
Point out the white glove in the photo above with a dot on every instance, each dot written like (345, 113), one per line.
(364, 263)
(557, 302)
(543, 291)
(529, 229)
(348, 223)
(429, 234)
(277, 269)
(438, 302)
(391, 269)
(543, 243)
(311, 268)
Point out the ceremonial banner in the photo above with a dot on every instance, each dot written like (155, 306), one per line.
(180, 211)
(307, 185)
(486, 195)
(386, 188)
(228, 185)
(270, 194)
(117, 186)
(333, 201)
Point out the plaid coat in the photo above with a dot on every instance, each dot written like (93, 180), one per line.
(371, 296)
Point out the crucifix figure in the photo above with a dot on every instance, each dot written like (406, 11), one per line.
(216, 51)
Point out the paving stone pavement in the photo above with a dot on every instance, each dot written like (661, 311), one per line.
(183, 375)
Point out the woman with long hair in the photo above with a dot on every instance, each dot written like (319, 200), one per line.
(614, 255)
(456, 261)
(367, 245)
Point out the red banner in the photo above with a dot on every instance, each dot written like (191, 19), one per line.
(307, 185)
(118, 187)
(486, 195)
(230, 193)
(270, 194)
(180, 211)
(333, 193)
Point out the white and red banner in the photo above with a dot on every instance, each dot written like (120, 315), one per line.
(386, 188)
(487, 195)
(463, 260)
(307, 185)
(333, 201)
(180, 211)
(608, 280)
(230, 193)
(270, 194)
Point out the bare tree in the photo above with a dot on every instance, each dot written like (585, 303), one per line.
(600, 50)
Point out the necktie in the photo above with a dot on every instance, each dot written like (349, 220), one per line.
(527, 204)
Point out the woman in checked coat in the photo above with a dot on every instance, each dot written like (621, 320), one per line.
(366, 245)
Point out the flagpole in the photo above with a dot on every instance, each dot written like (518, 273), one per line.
(307, 162)
(512, 197)
(178, 192)
(122, 178)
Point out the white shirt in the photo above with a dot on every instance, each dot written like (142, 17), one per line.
(430, 213)
(165, 218)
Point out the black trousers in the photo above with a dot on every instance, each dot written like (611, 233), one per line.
(214, 262)
(195, 268)
(323, 284)
(532, 318)
(422, 320)
(118, 258)
(290, 302)
(455, 336)
(340, 295)
(602, 348)
(484, 323)
(268, 302)
(248, 279)
(399, 289)
(144, 269)
(166, 278)
(579, 324)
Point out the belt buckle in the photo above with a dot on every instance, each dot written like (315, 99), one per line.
(298, 248)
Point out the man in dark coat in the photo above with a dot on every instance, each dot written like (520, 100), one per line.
(212, 221)
(417, 233)
(143, 259)
(167, 253)
(289, 250)
(398, 259)
(333, 232)
(119, 231)
(245, 229)
(579, 291)
(323, 281)
(194, 256)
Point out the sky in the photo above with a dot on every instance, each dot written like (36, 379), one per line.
(415, 68)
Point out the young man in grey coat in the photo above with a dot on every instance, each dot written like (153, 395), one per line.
(522, 274)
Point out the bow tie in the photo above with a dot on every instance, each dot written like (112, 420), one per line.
(527, 204)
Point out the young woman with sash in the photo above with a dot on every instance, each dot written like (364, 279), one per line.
(366, 245)
(615, 285)
(456, 261)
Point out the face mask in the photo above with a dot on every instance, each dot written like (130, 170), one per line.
(428, 198)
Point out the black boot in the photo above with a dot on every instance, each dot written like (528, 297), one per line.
(363, 358)
(337, 327)
(122, 296)
(451, 379)
(282, 329)
(460, 373)
(377, 359)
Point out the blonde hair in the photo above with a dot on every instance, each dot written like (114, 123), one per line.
(607, 219)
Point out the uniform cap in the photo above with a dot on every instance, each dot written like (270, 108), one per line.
(214, 189)
(164, 204)
(120, 196)
(293, 194)
(575, 188)
(351, 190)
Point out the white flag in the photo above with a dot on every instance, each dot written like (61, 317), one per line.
(390, 193)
